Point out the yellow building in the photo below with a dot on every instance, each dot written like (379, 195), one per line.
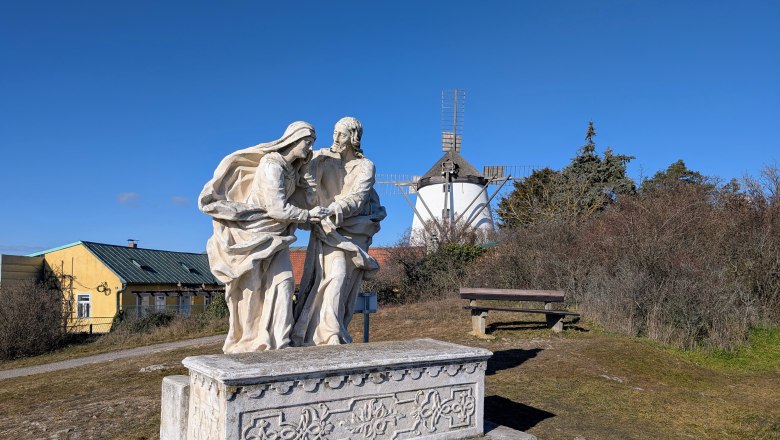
(100, 280)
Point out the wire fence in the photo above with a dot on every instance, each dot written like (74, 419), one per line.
(90, 325)
(179, 310)
(102, 324)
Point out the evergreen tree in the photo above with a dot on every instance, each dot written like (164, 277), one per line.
(676, 174)
(592, 182)
(586, 186)
(531, 200)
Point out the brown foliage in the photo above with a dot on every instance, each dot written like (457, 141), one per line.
(687, 265)
(31, 319)
(410, 274)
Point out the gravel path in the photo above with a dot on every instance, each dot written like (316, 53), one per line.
(111, 356)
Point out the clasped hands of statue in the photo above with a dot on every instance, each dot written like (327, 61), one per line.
(318, 213)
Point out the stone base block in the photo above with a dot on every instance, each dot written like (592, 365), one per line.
(420, 389)
(498, 432)
(176, 400)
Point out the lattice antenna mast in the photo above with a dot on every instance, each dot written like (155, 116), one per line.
(453, 108)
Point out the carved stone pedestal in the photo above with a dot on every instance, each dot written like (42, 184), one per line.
(420, 389)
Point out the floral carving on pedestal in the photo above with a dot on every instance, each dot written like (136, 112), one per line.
(372, 419)
(313, 425)
(430, 408)
(396, 415)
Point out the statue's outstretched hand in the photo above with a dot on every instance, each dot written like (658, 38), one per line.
(318, 213)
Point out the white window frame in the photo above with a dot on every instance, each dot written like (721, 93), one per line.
(185, 304)
(80, 313)
(160, 301)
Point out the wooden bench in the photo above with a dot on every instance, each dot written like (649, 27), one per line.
(479, 312)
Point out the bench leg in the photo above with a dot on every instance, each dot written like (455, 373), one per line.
(478, 318)
(555, 322)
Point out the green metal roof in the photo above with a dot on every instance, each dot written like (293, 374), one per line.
(151, 266)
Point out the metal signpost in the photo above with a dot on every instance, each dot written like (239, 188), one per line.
(366, 303)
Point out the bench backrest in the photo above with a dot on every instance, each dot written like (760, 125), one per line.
(511, 294)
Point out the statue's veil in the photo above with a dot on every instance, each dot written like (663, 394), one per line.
(233, 177)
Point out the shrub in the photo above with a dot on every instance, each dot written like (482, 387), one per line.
(31, 319)
(688, 265)
(144, 323)
(162, 325)
(218, 308)
(412, 275)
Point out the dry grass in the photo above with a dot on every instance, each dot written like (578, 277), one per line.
(103, 401)
(583, 382)
(178, 330)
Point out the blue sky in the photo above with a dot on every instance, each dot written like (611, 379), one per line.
(114, 114)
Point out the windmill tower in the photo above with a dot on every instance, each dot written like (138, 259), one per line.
(452, 189)
(452, 194)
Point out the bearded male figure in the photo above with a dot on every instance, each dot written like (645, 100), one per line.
(337, 260)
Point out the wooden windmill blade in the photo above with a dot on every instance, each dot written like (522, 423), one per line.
(453, 110)
(395, 184)
(496, 173)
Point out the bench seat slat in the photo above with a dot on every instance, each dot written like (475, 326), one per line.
(512, 309)
(511, 294)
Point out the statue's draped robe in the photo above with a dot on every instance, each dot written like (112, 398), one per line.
(337, 257)
(254, 223)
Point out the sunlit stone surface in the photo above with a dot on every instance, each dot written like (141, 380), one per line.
(390, 390)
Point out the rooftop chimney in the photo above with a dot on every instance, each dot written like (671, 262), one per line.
(132, 243)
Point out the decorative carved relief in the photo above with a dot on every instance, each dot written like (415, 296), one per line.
(431, 408)
(313, 424)
(283, 387)
(434, 371)
(385, 416)
(310, 385)
(257, 391)
(416, 373)
(371, 419)
(358, 379)
(378, 377)
(336, 382)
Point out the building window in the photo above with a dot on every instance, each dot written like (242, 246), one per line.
(159, 302)
(207, 300)
(142, 266)
(189, 269)
(185, 303)
(83, 305)
(139, 304)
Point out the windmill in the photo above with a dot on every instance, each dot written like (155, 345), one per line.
(452, 193)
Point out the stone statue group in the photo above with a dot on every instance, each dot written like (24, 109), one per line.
(257, 198)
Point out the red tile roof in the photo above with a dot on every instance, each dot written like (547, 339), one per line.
(298, 257)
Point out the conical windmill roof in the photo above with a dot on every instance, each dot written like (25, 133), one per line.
(466, 171)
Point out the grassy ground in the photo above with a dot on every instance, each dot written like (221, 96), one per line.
(87, 345)
(583, 382)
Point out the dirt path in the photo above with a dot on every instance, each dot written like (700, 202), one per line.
(111, 356)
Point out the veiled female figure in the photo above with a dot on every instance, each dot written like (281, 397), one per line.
(249, 200)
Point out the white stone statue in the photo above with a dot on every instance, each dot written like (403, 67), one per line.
(251, 200)
(337, 260)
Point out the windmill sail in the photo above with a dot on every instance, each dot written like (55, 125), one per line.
(453, 108)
